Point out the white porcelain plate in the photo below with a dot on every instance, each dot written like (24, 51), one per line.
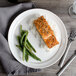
(48, 56)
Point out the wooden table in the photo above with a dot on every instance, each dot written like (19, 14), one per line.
(60, 8)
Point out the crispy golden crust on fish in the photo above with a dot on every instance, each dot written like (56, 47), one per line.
(46, 32)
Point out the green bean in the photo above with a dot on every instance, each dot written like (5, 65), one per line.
(28, 47)
(32, 54)
(21, 40)
(20, 29)
(31, 45)
(24, 49)
(19, 47)
(22, 32)
(18, 39)
(26, 56)
(26, 36)
(25, 43)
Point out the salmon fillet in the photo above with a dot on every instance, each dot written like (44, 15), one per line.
(46, 32)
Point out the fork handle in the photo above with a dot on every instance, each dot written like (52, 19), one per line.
(66, 65)
(65, 54)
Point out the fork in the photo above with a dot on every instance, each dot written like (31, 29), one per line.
(70, 40)
(67, 64)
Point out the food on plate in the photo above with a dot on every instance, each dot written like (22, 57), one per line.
(46, 32)
(25, 46)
